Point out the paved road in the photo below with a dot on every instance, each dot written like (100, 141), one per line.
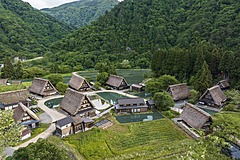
(55, 115)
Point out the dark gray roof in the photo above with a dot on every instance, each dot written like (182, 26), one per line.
(124, 101)
(151, 102)
(64, 121)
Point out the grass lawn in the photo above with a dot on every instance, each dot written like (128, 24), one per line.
(159, 139)
(27, 84)
(11, 87)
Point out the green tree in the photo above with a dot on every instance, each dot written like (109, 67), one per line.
(152, 86)
(61, 87)
(19, 70)
(55, 78)
(102, 77)
(9, 132)
(8, 70)
(163, 101)
(167, 80)
(55, 68)
(97, 85)
(203, 78)
(42, 149)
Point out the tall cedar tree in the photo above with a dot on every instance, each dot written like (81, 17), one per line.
(19, 70)
(203, 78)
(8, 71)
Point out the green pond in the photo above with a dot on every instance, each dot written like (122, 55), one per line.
(53, 103)
(111, 97)
(139, 117)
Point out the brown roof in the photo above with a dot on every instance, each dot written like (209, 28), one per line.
(77, 119)
(223, 83)
(72, 101)
(12, 97)
(3, 81)
(217, 95)
(19, 112)
(25, 132)
(194, 116)
(115, 81)
(76, 81)
(16, 82)
(179, 91)
(38, 87)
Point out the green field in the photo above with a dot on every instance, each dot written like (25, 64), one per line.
(159, 139)
(11, 87)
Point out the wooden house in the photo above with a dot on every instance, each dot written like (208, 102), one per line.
(25, 133)
(24, 116)
(150, 103)
(42, 87)
(116, 82)
(179, 91)
(131, 105)
(9, 100)
(223, 84)
(213, 97)
(78, 83)
(3, 82)
(76, 103)
(72, 125)
(64, 127)
(137, 87)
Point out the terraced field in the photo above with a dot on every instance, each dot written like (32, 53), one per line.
(159, 139)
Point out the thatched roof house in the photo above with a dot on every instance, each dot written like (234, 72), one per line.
(195, 117)
(75, 103)
(213, 97)
(42, 87)
(117, 82)
(179, 91)
(3, 81)
(10, 100)
(25, 116)
(223, 84)
(78, 83)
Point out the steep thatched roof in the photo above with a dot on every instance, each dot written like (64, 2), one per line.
(115, 81)
(3, 81)
(179, 91)
(12, 97)
(76, 81)
(223, 84)
(19, 112)
(72, 101)
(217, 95)
(194, 116)
(38, 87)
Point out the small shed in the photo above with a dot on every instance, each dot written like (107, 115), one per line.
(16, 82)
(3, 82)
(137, 87)
(223, 84)
(150, 103)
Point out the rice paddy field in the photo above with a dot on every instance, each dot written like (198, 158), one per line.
(158, 139)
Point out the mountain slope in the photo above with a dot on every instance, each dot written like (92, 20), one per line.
(146, 25)
(25, 31)
(81, 13)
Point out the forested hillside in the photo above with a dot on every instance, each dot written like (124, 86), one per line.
(81, 13)
(135, 29)
(25, 31)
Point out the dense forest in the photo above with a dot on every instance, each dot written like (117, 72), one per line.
(137, 29)
(81, 13)
(25, 31)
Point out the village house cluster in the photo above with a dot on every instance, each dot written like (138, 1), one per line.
(80, 112)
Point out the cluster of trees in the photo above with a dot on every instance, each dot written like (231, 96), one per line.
(42, 149)
(81, 13)
(25, 31)
(198, 65)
